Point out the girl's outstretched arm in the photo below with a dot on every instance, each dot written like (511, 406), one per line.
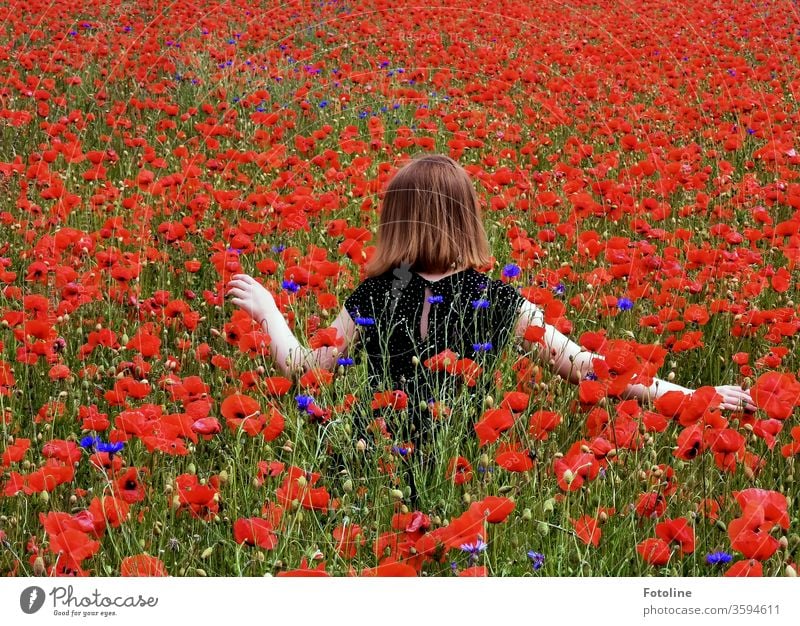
(572, 363)
(287, 352)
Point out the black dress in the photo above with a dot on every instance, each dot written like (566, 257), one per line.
(470, 314)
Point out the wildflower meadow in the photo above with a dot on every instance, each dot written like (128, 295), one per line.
(637, 165)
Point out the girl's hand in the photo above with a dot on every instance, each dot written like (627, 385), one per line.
(250, 296)
(735, 398)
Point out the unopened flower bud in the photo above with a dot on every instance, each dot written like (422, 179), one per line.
(38, 567)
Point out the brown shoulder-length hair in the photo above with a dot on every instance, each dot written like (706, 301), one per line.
(430, 219)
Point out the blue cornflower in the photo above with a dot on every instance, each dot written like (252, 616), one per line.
(73, 33)
(624, 304)
(482, 347)
(473, 549)
(362, 115)
(111, 448)
(126, 29)
(365, 321)
(559, 289)
(323, 104)
(750, 131)
(278, 248)
(511, 270)
(290, 285)
(400, 450)
(89, 442)
(537, 559)
(384, 64)
(718, 558)
(95, 443)
(435, 299)
(345, 360)
(303, 402)
(590, 376)
(481, 303)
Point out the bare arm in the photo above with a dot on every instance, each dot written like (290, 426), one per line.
(287, 352)
(572, 362)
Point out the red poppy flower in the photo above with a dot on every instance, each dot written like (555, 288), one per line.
(492, 423)
(459, 470)
(777, 394)
(348, 539)
(587, 529)
(746, 568)
(654, 551)
(305, 571)
(255, 531)
(142, 565)
(513, 459)
(390, 568)
(74, 545)
(678, 531)
(495, 508)
(543, 422)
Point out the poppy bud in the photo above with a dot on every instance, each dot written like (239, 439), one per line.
(603, 517)
(191, 468)
(302, 482)
(200, 572)
(543, 529)
(791, 572)
(721, 525)
(396, 494)
(783, 542)
(38, 567)
(484, 460)
(176, 502)
(489, 401)
(295, 504)
(467, 498)
(414, 359)
(569, 476)
(361, 445)
(207, 552)
(348, 486)
(526, 514)
(125, 339)
(549, 505)
(44, 497)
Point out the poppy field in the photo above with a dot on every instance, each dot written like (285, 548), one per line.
(637, 165)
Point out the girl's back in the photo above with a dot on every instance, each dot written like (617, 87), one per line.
(405, 319)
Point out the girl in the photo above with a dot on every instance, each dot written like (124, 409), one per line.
(423, 295)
